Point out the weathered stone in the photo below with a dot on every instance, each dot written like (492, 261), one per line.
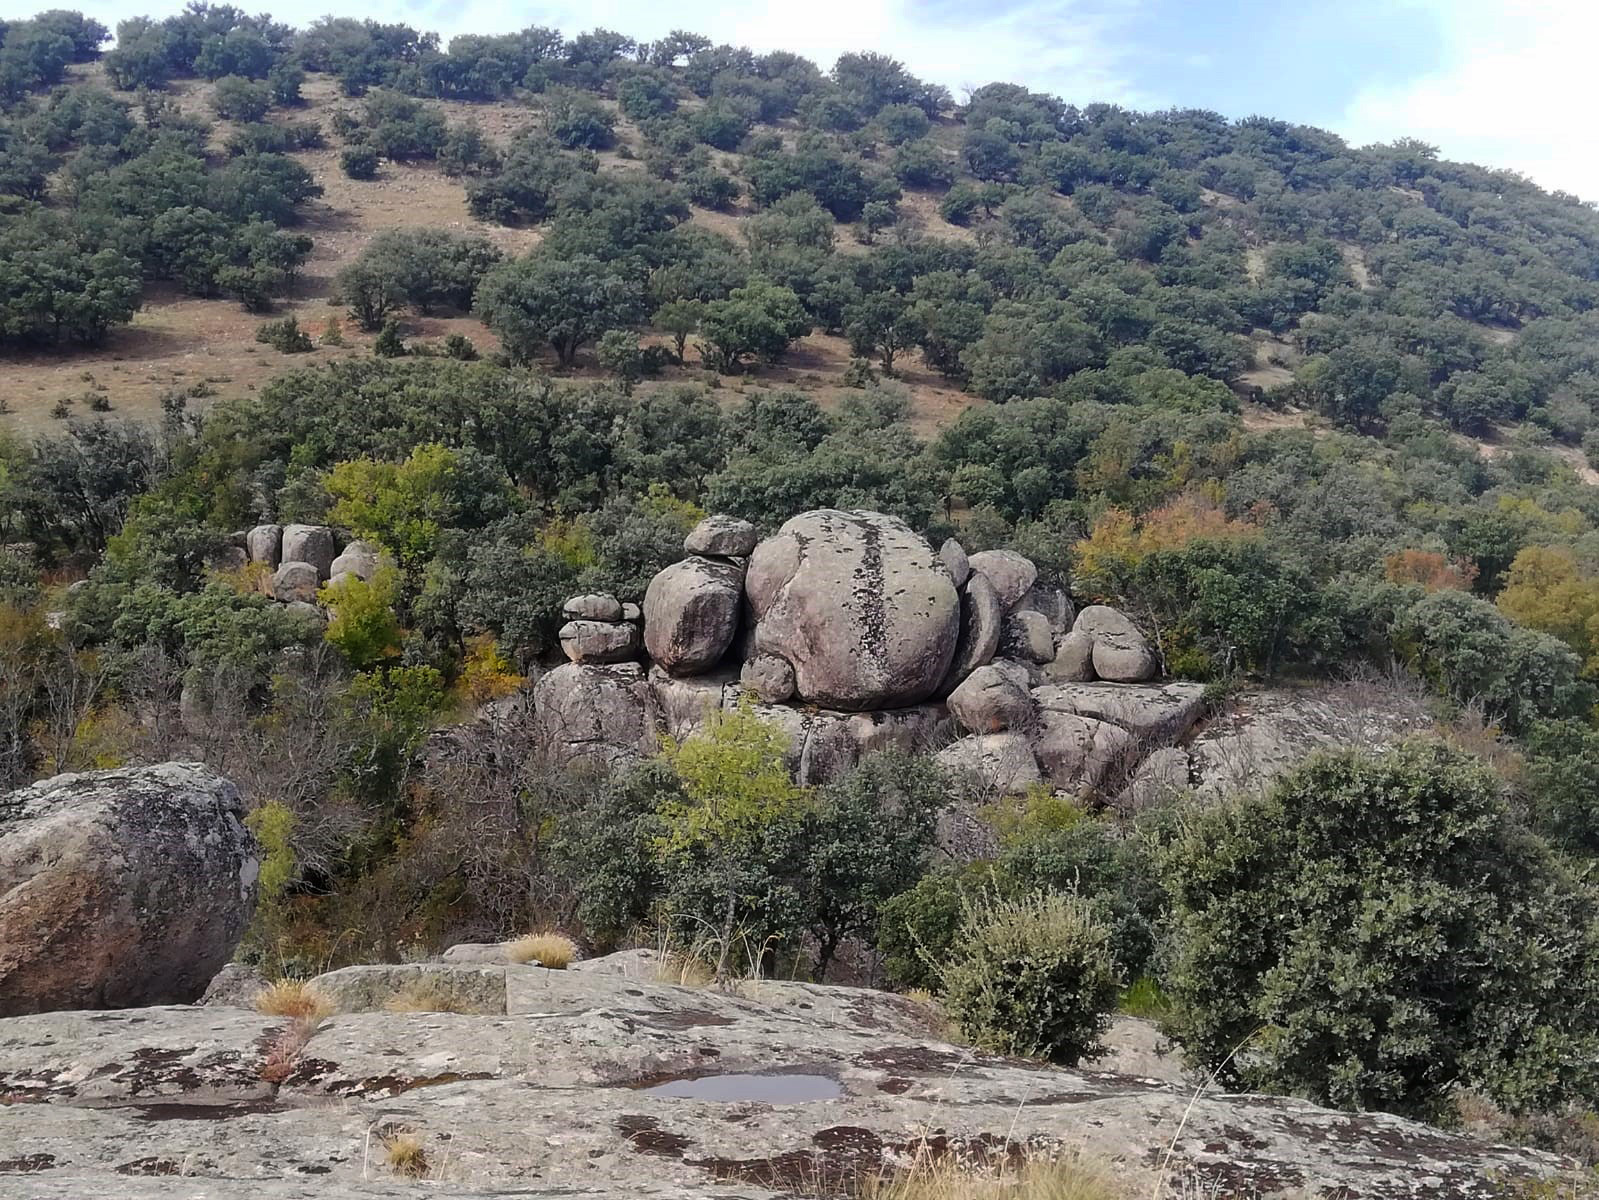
(1026, 636)
(234, 986)
(687, 704)
(1161, 776)
(121, 887)
(306, 611)
(340, 579)
(953, 555)
(721, 535)
(477, 954)
(264, 544)
(544, 1102)
(982, 620)
(295, 581)
(1121, 654)
(361, 559)
(314, 544)
(437, 987)
(770, 678)
(632, 612)
(860, 607)
(1079, 753)
(691, 613)
(599, 641)
(1073, 661)
(596, 712)
(595, 607)
(1152, 713)
(1011, 574)
(227, 558)
(1052, 602)
(992, 699)
(1003, 761)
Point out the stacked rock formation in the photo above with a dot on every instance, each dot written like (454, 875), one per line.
(301, 558)
(849, 631)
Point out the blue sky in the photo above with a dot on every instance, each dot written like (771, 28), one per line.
(1508, 83)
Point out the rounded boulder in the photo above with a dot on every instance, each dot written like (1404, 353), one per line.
(121, 889)
(858, 604)
(691, 612)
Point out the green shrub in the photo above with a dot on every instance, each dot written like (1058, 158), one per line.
(285, 336)
(1032, 976)
(459, 346)
(389, 343)
(359, 162)
(1380, 932)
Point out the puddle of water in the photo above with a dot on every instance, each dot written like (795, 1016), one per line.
(783, 1088)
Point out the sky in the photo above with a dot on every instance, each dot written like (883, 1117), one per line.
(1505, 83)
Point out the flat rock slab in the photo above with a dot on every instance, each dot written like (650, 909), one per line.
(1151, 712)
(550, 1100)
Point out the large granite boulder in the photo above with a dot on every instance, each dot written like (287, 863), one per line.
(294, 581)
(1121, 652)
(1012, 574)
(953, 555)
(314, 544)
(691, 613)
(1003, 761)
(982, 622)
(1027, 637)
(601, 713)
(264, 544)
(1074, 659)
(121, 888)
(1080, 754)
(361, 559)
(859, 605)
(1154, 714)
(600, 606)
(722, 536)
(992, 699)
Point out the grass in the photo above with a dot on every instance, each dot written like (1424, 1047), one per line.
(947, 1179)
(1143, 998)
(293, 998)
(423, 995)
(405, 1155)
(552, 950)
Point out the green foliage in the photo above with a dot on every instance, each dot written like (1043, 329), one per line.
(361, 620)
(389, 343)
(425, 269)
(759, 320)
(1032, 976)
(238, 99)
(1378, 931)
(285, 336)
(565, 303)
(359, 161)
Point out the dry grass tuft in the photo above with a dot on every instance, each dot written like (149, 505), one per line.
(685, 970)
(946, 1179)
(423, 995)
(405, 1155)
(293, 998)
(552, 950)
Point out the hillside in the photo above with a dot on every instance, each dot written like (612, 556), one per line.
(1062, 559)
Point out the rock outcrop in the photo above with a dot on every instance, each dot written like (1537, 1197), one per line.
(314, 544)
(1120, 654)
(583, 1082)
(603, 713)
(691, 613)
(858, 604)
(120, 888)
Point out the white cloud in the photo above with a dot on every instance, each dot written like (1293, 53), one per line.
(1517, 88)
(1074, 48)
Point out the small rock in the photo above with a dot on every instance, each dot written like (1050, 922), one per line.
(632, 612)
(722, 536)
(953, 555)
(1073, 661)
(771, 678)
(596, 607)
(295, 581)
(1121, 654)
(1027, 636)
(991, 700)
(234, 986)
(599, 641)
(1011, 574)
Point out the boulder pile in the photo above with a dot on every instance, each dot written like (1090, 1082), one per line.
(299, 559)
(852, 633)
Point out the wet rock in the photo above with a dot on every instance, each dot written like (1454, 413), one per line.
(721, 535)
(691, 613)
(120, 888)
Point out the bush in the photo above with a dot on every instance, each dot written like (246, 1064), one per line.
(237, 99)
(1032, 976)
(389, 343)
(359, 162)
(458, 346)
(285, 336)
(1379, 932)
